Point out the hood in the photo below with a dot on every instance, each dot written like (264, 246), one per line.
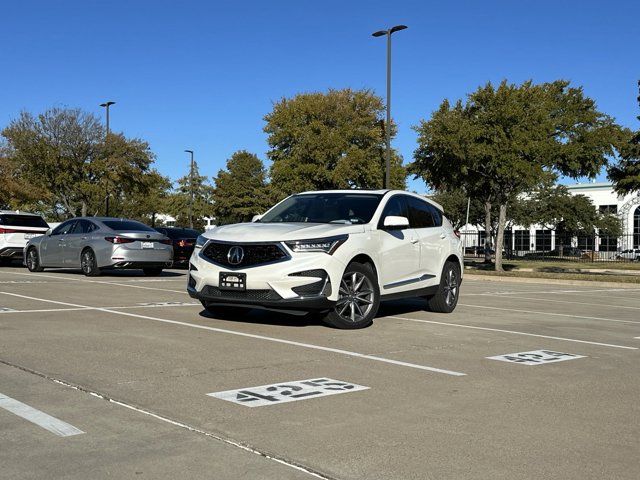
(279, 232)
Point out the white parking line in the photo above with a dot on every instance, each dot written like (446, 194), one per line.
(587, 292)
(459, 325)
(122, 307)
(60, 428)
(251, 335)
(547, 313)
(84, 280)
(543, 300)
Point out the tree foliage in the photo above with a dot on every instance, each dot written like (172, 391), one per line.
(240, 190)
(329, 140)
(626, 174)
(69, 165)
(178, 202)
(507, 140)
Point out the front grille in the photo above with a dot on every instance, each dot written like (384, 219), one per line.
(254, 254)
(258, 295)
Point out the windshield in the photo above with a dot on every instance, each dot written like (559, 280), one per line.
(347, 208)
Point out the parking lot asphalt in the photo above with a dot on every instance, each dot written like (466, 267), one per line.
(130, 360)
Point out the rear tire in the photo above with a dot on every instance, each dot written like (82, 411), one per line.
(446, 299)
(88, 263)
(358, 299)
(33, 260)
(152, 271)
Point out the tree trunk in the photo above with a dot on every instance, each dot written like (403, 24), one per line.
(502, 220)
(84, 209)
(487, 232)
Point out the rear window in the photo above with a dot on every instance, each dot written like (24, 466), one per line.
(176, 233)
(16, 220)
(127, 225)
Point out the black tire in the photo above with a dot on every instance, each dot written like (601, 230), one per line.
(152, 271)
(358, 302)
(33, 260)
(88, 263)
(224, 312)
(446, 299)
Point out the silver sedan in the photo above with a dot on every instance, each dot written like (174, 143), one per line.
(98, 243)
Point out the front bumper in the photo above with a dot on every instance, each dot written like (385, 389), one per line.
(303, 282)
(12, 252)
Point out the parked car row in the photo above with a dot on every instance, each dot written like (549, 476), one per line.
(92, 244)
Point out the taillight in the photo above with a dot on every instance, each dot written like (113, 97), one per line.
(185, 243)
(7, 230)
(167, 241)
(456, 233)
(119, 239)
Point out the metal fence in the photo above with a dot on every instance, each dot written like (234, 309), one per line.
(545, 245)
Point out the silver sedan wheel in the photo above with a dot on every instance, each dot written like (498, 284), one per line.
(32, 259)
(86, 261)
(450, 287)
(355, 298)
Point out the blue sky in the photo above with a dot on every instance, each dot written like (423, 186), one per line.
(202, 74)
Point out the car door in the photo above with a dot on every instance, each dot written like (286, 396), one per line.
(75, 241)
(427, 222)
(399, 250)
(52, 250)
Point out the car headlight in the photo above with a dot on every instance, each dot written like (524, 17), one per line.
(326, 245)
(200, 241)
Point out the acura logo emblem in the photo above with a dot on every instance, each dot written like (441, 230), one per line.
(235, 255)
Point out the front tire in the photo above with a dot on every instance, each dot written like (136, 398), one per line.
(446, 298)
(33, 261)
(88, 263)
(358, 299)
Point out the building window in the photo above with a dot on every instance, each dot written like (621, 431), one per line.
(586, 243)
(521, 239)
(636, 228)
(608, 244)
(611, 209)
(543, 240)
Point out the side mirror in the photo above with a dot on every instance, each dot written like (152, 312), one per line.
(256, 218)
(393, 222)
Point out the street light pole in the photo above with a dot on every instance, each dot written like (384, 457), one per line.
(106, 105)
(190, 190)
(380, 33)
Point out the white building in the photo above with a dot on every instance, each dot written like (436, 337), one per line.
(169, 221)
(535, 238)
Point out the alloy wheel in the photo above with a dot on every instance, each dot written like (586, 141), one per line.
(356, 297)
(86, 263)
(32, 261)
(450, 287)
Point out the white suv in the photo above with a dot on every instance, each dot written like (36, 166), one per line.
(337, 252)
(16, 229)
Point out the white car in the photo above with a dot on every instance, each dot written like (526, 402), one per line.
(337, 252)
(629, 254)
(16, 229)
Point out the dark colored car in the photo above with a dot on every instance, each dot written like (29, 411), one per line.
(183, 240)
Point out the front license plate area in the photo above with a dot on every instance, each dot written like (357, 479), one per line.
(147, 244)
(233, 281)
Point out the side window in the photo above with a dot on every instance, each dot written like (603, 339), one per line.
(396, 206)
(90, 226)
(64, 228)
(437, 215)
(420, 213)
(85, 226)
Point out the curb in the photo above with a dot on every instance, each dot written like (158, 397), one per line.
(553, 281)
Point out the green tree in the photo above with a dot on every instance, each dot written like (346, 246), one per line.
(179, 201)
(329, 140)
(508, 140)
(240, 190)
(626, 174)
(63, 155)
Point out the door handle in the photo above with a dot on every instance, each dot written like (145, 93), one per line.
(414, 240)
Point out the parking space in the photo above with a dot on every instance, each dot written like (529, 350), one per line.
(434, 406)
